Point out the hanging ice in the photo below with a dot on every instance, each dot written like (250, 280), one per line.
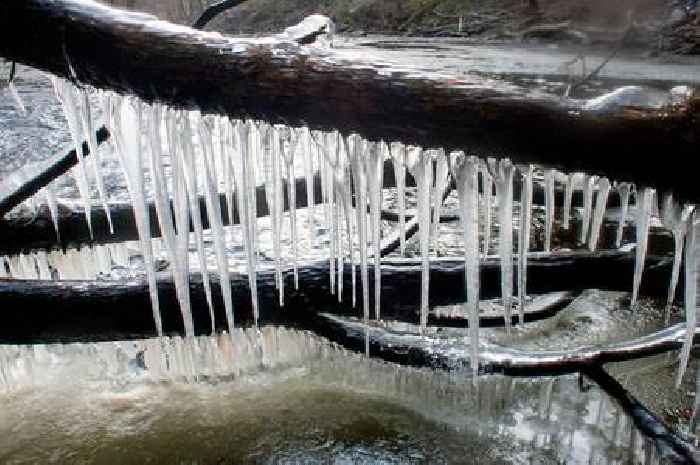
(643, 206)
(359, 176)
(276, 216)
(467, 178)
(601, 202)
(291, 141)
(549, 208)
(398, 157)
(441, 180)
(374, 166)
(588, 184)
(309, 174)
(129, 141)
(571, 182)
(691, 281)
(675, 219)
(503, 172)
(344, 183)
(524, 238)
(68, 98)
(420, 165)
(487, 183)
(217, 229)
(624, 189)
(53, 209)
(96, 157)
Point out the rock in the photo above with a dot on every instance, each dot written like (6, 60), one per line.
(312, 29)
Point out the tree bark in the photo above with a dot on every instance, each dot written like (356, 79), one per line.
(282, 83)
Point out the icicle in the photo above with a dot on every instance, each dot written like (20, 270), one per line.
(182, 220)
(344, 181)
(96, 158)
(42, 261)
(189, 169)
(252, 154)
(601, 202)
(53, 209)
(568, 197)
(487, 183)
(691, 282)
(330, 159)
(588, 184)
(324, 153)
(502, 173)
(441, 180)
(643, 216)
(524, 238)
(338, 175)
(624, 190)
(549, 208)
(19, 105)
(420, 165)
(467, 178)
(359, 175)
(67, 96)
(674, 219)
(289, 151)
(309, 174)
(217, 228)
(398, 157)
(374, 160)
(242, 177)
(130, 142)
(276, 212)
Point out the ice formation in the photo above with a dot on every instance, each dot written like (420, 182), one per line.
(524, 238)
(691, 279)
(549, 208)
(601, 202)
(674, 218)
(644, 205)
(624, 189)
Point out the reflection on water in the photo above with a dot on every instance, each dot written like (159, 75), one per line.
(283, 396)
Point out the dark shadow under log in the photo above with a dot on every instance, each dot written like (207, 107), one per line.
(110, 310)
(279, 82)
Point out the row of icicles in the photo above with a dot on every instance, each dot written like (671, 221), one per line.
(206, 152)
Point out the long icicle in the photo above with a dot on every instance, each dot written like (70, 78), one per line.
(675, 219)
(309, 174)
(96, 159)
(441, 180)
(420, 165)
(549, 208)
(588, 184)
(524, 238)
(187, 161)
(345, 180)
(278, 199)
(217, 228)
(503, 172)
(568, 198)
(487, 196)
(53, 208)
(130, 141)
(375, 177)
(398, 158)
(691, 282)
(624, 189)
(467, 178)
(601, 202)
(643, 217)
(289, 150)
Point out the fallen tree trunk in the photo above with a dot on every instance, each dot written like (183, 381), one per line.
(111, 310)
(282, 83)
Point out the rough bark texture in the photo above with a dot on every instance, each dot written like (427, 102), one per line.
(282, 83)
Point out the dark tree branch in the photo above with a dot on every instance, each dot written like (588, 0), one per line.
(214, 10)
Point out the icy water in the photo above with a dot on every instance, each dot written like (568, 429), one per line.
(290, 397)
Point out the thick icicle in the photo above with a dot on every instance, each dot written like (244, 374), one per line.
(398, 157)
(68, 98)
(289, 150)
(601, 202)
(276, 216)
(643, 206)
(503, 172)
(217, 228)
(182, 220)
(189, 169)
(374, 166)
(96, 157)
(130, 142)
(675, 219)
(309, 174)
(324, 146)
(487, 195)
(420, 165)
(624, 189)
(344, 182)
(691, 283)
(588, 185)
(467, 178)
(524, 238)
(240, 160)
(441, 180)
(253, 155)
(359, 176)
(549, 208)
